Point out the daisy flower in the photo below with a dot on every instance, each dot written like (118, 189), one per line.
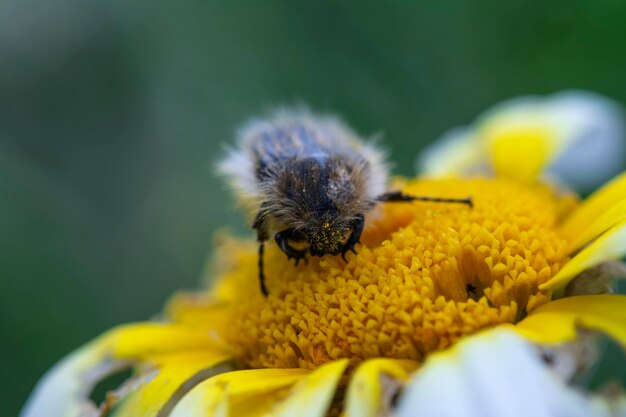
(446, 311)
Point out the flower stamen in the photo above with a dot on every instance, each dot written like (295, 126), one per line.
(425, 276)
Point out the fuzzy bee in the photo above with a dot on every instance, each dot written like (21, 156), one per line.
(309, 181)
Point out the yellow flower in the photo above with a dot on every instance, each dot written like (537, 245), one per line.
(339, 337)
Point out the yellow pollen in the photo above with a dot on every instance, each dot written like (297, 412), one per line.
(425, 275)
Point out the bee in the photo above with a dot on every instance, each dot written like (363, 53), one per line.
(309, 182)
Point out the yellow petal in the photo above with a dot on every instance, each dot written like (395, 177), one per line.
(521, 153)
(312, 396)
(584, 221)
(558, 321)
(195, 309)
(366, 391)
(601, 224)
(175, 375)
(200, 310)
(140, 340)
(239, 393)
(609, 246)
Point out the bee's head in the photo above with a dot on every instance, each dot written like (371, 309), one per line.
(327, 236)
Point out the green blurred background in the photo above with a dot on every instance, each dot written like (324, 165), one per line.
(112, 114)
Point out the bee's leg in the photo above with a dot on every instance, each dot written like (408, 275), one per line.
(261, 273)
(355, 236)
(282, 240)
(261, 236)
(398, 196)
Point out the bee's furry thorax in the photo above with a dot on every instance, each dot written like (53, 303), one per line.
(304, 171)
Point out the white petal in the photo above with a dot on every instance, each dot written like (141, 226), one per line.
(457, 151)
(494, 374)
(597, 148)
(64, 390)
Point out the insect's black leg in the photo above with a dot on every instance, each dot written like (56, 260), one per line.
(261, 273)
(282, 239)
(398, 196)
(355, 236)
(259, 225)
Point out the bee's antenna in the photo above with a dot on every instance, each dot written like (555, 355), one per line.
(398, 196)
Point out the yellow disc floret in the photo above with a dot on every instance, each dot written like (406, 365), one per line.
(426, 274)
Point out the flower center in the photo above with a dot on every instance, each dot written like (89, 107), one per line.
(425, 275)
